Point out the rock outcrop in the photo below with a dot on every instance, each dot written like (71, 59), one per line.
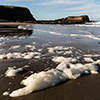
(74, 19)
(15, 14)
(68, 20)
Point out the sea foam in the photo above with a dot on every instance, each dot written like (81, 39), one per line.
(25, 27)
(67, 68)
(11, 72)
(45, 79)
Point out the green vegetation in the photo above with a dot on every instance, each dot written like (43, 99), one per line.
(75, 16)
(11, 7)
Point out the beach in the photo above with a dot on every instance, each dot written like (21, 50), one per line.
(55, 49)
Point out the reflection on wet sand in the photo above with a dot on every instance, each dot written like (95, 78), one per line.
(15, 32)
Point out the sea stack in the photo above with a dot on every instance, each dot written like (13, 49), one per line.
(15, 14)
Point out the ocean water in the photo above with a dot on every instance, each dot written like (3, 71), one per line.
(75, 49)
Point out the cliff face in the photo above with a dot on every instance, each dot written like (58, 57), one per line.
(15, 14)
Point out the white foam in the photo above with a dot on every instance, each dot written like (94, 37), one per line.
(39, 81)
(60, 50)
(85, 31)
(30, 47)
(14, 55)
(97, 62)
(67, 68)
(25, 27)
(40, 50)
(55, 33)
(63, 59)
(89, 35)
(11, 72)
(91, 55)
(6, 93)
(51, 50)
(68, 52)
(93, 24)
(15, 47)
(3, 56)
(88, 60)
(96, 23)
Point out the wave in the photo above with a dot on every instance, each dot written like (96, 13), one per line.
(92, 24)
(91, 36)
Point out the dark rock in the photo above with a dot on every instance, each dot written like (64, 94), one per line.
(15, 14)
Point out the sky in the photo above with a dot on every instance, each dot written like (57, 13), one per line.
(56, 9)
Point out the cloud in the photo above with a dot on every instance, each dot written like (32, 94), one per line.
(52, 7)
(83, 7)
(87, 11)
(18, 0)
(57, 2)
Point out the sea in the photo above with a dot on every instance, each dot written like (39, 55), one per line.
(63, 51)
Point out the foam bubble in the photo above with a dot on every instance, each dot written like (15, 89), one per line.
(63, 59)
(60, 50)
(11, 72)
(6, 93)
(3, 56)
(88, 60)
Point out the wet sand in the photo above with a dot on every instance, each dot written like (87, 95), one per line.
(85, 88)
(14, 23)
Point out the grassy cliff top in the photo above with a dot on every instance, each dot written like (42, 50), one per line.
(77, 16)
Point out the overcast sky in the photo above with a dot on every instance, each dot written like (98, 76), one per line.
(55, 9)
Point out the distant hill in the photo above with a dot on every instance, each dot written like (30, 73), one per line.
(15, 14)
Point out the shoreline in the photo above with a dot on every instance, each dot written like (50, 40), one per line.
(34, 23)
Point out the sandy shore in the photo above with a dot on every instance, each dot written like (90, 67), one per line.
(14, 23)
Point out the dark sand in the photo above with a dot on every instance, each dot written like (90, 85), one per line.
(85, 88)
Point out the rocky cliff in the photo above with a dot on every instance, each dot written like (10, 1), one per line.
(15, 14)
